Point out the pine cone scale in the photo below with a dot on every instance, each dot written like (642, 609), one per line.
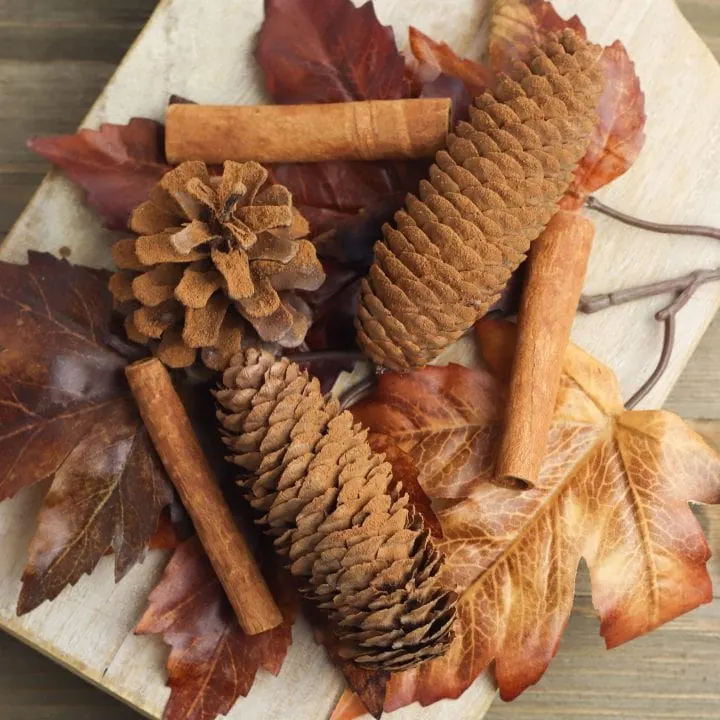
(346, 530)
(503, 175)
(219, 258)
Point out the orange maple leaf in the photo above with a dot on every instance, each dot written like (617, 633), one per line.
(614, 489)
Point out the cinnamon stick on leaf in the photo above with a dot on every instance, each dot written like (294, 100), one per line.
(179, 449)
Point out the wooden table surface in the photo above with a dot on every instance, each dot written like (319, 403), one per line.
(55, 57)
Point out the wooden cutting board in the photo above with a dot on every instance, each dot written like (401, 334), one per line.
(204, 51)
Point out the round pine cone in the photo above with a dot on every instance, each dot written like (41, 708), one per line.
(346, 528)
(215, 253)
(488, 197)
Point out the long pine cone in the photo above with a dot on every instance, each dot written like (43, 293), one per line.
(487, 198)
(347, 530)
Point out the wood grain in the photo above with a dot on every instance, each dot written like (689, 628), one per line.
(52, 67)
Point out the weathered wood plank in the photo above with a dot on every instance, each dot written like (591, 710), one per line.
(16, 189)
(669, 674)
(52, 13)
(35, 688)
(647, 668)
(19, 41)
(43, 99)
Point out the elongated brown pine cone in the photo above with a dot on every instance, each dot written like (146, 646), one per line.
(488, 197)
(215, 256)
(346, 528)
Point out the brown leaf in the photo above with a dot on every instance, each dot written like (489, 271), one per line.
(614, 489)
(66, 412)
(441, 58)
(368, 686)
(212, 661)
(519, 25)
(405, 470)
(116, 165)
(445, 418)
(619, 136)
(348, 707)
(332, 51)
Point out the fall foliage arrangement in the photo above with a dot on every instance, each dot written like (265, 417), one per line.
(422, 521)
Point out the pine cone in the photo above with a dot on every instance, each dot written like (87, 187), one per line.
(214, 254)
(488, 197)
(331, 504)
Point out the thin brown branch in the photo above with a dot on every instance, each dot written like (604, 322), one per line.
(694, 230)
(665, 355)
(685, 285)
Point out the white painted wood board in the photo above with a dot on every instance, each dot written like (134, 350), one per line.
(203, 50)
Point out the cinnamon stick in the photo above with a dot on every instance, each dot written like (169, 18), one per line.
(188, 468)
(371, 130)
(556, 274)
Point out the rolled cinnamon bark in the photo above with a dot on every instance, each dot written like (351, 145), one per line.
(188, 468)
(371, 130)
(556, 274)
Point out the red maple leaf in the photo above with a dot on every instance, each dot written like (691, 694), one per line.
(212, 661)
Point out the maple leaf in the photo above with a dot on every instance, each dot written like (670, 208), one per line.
(614, 489)
(117, 165)
(619, 135)
(475, 76)
(212, 661)
(519, 25)
(328, 52)
(67, 414)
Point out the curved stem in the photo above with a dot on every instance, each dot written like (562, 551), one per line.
(665, 355)
(697, 230)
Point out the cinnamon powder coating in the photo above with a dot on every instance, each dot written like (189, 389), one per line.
(487, 198)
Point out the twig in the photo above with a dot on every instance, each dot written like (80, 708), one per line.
(665, 355)
(683, 287)
(697, 230)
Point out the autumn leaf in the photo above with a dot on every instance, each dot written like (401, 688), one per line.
(328, 52)
(406, 471)
(519, 25)
(614, 489)
(349, 707)
(66, 414)
(619, 135)
(116, 165)
(212, 661)
(441, 57)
